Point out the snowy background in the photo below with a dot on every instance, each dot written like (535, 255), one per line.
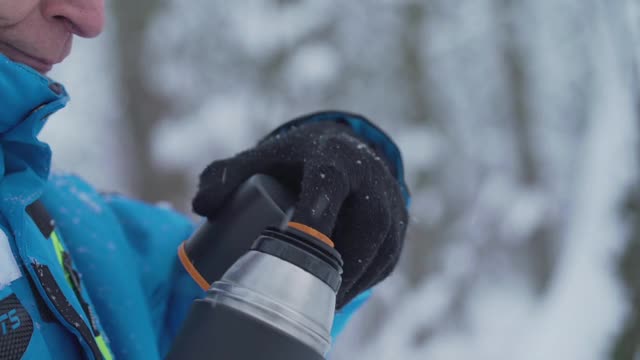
(518, 120)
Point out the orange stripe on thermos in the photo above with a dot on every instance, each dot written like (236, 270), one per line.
(193, 272)
(311, 231)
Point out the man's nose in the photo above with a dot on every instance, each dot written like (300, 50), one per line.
(84, 18)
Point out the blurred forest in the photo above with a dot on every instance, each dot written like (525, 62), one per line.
(518, 121)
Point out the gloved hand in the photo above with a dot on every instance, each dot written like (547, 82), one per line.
(346, 191)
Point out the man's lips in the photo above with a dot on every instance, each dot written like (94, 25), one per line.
(41, 65)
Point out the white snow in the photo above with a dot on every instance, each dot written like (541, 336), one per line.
(584, 307)
(313, 66)
(218, 129)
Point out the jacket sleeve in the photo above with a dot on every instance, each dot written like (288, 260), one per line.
(154, 234)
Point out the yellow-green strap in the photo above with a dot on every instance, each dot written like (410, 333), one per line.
(59, 248)
(57, 245)
(104, 348)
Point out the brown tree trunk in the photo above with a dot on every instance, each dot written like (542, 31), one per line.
(143, 107)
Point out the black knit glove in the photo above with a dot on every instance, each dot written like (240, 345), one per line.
(346, 191)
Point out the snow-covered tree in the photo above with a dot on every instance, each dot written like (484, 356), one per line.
(518, 121)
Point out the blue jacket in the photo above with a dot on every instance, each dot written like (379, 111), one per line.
(82, 274)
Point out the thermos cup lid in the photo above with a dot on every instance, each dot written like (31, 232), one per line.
(304, 251)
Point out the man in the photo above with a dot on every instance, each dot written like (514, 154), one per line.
(86, 275)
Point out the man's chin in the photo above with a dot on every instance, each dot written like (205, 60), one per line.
(40, 65)
(43, 70)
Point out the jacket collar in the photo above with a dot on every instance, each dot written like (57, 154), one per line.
(22, 91)
(26, 101)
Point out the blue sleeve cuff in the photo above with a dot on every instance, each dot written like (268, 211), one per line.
(343, 316)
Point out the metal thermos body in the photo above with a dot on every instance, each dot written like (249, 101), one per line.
(277, 301)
